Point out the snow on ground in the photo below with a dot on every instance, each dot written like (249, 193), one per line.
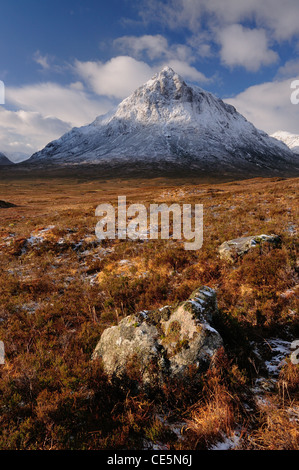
(281, 350)
(228, 443)
(39, 235)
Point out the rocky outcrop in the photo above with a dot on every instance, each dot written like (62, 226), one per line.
(163, 343)
(6, 205)
(233, 249)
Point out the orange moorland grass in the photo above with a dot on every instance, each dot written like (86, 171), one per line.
(277, 423)
(60, 288)
(276, 432)
(220, 410)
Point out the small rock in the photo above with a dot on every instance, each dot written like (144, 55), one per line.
(233, 249)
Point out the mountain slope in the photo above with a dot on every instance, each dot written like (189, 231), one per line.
(4, 161)
(291, 140)
(168, 124)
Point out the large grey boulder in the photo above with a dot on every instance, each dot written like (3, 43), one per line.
(233, 249)
(163, 343)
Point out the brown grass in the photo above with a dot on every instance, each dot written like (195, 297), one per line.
(58, 294)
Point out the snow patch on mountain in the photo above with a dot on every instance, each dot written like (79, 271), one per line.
(291, 140)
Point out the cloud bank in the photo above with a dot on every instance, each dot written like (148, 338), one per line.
(268, 106)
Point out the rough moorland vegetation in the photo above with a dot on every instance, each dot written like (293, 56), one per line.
(60, 289)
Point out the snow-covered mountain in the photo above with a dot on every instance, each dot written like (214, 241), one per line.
(4, 160)
(291, 140)
(166, 123)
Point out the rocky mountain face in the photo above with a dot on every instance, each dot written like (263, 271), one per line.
(291, 140)
(166, 124)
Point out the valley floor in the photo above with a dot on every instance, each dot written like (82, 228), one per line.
(60, 288)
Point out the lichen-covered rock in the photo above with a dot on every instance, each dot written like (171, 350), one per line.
(189, 337)
(233, 249)
(131, 340)
(163, 343)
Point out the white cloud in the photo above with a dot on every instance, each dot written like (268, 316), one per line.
(69, 104)
(77, 86)
(279, 17)
(177, 56)
(43, 112)
(187, 72)
(268, 106)
(42, 60)
(273, 15)
(117, 78)
(154, 46)
(174, 13)
(24, 132)
(272, 22)
(49, 63)
(289, 69)
(245, 47)
(201, 44)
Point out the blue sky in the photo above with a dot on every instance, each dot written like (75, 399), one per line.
(65, 62)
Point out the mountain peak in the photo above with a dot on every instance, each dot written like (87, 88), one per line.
(166, 77)
(168, 72)
(166, 122)
(164, 88)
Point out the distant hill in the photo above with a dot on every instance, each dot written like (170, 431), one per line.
(4, 161)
